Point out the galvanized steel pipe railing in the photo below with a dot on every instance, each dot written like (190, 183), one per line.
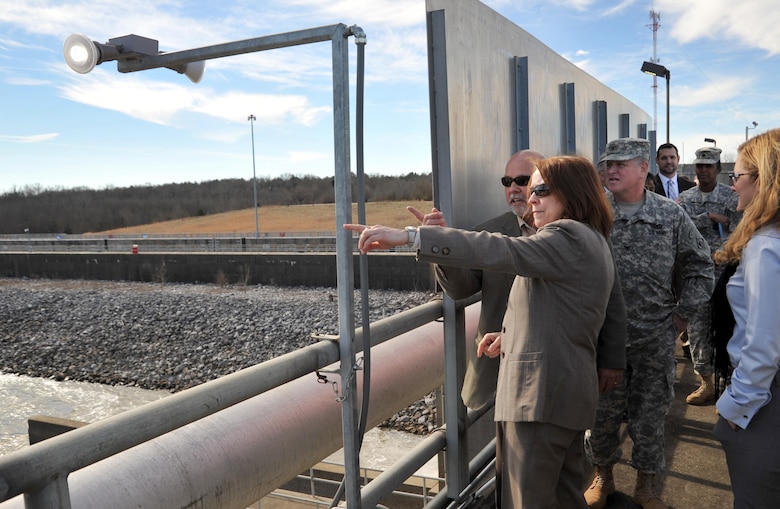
(235, 456)
(31, 468)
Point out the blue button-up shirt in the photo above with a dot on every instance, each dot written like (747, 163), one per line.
(754, 348)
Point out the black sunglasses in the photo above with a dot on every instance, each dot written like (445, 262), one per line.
(541, 191)
(522, 180)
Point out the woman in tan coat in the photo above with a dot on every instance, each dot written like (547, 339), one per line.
(548, 386)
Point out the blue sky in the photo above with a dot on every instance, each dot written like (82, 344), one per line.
(60, 129)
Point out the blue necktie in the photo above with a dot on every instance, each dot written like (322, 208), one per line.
(670, 190)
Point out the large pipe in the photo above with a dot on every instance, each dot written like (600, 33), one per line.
(235, 457)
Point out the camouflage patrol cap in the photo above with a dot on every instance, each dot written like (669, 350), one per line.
(707, 155)
(625, 149)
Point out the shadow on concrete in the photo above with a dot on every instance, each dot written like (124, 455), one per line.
(696, 476)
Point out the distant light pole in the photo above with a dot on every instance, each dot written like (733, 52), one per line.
(711, 140)
(252, 119)
(755, 124)
(658, 70)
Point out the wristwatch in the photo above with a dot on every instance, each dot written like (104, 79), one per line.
(411, 232)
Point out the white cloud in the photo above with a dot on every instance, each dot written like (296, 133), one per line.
(622, 6)
(750, 22)
(27, 82)
(160, 102)
(156, 102)
(268, 108)
(35, 138)
(713, 93)
(392, 13)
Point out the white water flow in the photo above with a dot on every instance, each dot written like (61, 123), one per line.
(22, 397)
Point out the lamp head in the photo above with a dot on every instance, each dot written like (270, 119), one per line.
(655, 69)
(755, 124)
(81, 53)
(193, 70)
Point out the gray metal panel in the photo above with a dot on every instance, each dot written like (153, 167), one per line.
(599, 127)
(569, 120)
(521, 103)
(624, 125)
(440, 126)
(481, 104)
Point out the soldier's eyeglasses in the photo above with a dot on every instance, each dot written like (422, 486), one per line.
(521, 181)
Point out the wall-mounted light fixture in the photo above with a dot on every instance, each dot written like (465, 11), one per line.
(134, 53)
(82, 54)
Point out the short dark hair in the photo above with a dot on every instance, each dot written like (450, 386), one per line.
(665, 146)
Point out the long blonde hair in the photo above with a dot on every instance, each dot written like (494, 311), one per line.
(760, 157)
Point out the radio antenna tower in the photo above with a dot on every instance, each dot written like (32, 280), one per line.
(655, 17)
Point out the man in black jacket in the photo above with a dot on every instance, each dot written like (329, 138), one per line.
(667, 182)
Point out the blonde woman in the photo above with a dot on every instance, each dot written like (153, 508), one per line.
(749, 408)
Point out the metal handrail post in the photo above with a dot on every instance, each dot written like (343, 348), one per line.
(454, 409)
(345, 266)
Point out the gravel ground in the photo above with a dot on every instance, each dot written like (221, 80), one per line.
(173, 336)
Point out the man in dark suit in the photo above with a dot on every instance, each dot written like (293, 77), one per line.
(479, 385)
(667, 182)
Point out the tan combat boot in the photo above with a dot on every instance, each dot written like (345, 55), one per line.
(704, 394)
(646, 492)
(602, 486)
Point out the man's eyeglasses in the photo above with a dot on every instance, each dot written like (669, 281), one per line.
(735, 176)
(541, 190)
(521, 180)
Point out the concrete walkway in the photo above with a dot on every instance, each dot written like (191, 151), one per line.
(697, 476)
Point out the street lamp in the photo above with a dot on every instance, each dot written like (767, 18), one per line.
(755, 124)
(252, 119)
(711, 140)
(654, 69)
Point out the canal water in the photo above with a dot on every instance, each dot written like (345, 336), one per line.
(22, 397)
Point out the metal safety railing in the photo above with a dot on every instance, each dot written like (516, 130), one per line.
(41, 471)
(298, 242)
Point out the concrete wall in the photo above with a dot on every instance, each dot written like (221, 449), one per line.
(494, 88)
(397, 271)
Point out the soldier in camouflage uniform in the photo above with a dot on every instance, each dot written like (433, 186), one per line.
(713, 208)
(650, 235)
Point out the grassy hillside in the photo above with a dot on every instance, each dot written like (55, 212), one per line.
(283, 218)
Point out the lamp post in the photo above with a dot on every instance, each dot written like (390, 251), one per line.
(711, 140)
(252, 119)
(654, 69)
(755, 124)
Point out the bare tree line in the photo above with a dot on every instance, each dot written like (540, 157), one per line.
(35, 209)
